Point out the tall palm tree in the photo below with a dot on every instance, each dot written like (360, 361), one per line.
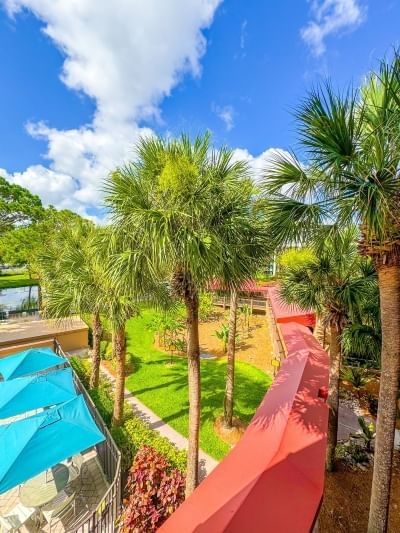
(72, 281)
(181, 200)
(352, 145)
(335, 283)
(249, 247)
(77, 280)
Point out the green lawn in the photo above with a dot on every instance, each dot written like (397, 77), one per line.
(163, 387)
(9, 281)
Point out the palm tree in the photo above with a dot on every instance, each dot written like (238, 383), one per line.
(352, 145)
(334, 283)
(75, 269)
(251, 249)
(181, 201)
(230, 364)
(72, 281)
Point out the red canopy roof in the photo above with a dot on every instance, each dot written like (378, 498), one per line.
(289, 313)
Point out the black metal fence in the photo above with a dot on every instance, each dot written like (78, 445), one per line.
(101, 520)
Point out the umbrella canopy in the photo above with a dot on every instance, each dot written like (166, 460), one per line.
(29, 362)
(35, 444)
(20, 395)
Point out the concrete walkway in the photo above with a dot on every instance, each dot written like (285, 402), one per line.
(348, 422)
(206, 463)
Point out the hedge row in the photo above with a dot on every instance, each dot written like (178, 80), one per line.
(134, 433)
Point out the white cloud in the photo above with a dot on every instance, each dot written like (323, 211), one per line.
(330, 17)
(127, 55)
(226, 114)
(260, 163)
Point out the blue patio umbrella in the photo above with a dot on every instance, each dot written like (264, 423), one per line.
(35, 444)
(20, 395)
(29, 362)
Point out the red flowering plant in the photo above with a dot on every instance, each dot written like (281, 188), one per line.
(153, 491)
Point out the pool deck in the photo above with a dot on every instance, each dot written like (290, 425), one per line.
(88, 496)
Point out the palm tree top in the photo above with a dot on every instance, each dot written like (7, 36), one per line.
(186, 204)
(352, 172)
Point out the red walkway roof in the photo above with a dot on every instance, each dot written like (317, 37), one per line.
(289, 313)
(273, 478)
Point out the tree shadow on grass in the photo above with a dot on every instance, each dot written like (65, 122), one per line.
(248, 392)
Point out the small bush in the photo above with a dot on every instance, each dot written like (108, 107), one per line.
(352, 453)
(106, 351)
(154, 491)
(135, 433)
(82, 367)
(206, 307)
(356, 376)
(103, 400)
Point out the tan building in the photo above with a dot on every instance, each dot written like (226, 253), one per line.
(71, 333)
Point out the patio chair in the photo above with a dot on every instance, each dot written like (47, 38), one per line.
(75, 468)
(60, 508)
(16, 518)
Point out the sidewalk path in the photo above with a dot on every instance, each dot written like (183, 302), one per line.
(206, 463)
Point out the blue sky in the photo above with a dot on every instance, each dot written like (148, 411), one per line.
(82, 80)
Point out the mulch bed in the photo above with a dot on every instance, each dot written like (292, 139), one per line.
(232, 435)
(346, 500)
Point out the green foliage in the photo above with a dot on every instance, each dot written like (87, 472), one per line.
(223, 335)
(82, 367)
(163, 387)
(106, 350)
(206, 307)
(17, 206)
(8, 281)
(134, 433)
(191, 209)
(295, 258)
(361, 343)
(367, 432)
(352, 452)
(356, 376)
(170, 328)
(244, 312)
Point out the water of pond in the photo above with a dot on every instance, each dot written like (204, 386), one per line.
(19, 298)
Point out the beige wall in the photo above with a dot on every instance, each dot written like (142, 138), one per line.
(69, 340)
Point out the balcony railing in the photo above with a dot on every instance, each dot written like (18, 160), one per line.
(103, 518)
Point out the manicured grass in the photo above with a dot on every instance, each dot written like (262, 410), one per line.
(163, 386)
(10, 281)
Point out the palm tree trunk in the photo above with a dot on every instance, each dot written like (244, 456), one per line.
(120, 355)
(333, 396)
(193, 354)
(230, 367)
(96, 329)
(389, 288)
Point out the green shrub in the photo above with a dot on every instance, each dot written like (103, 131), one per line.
(106, 351)
(206, 307)
(102, 398)
(134, 433)
(82, 368)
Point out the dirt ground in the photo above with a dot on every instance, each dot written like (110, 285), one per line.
(253, 347)
(346, 500)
